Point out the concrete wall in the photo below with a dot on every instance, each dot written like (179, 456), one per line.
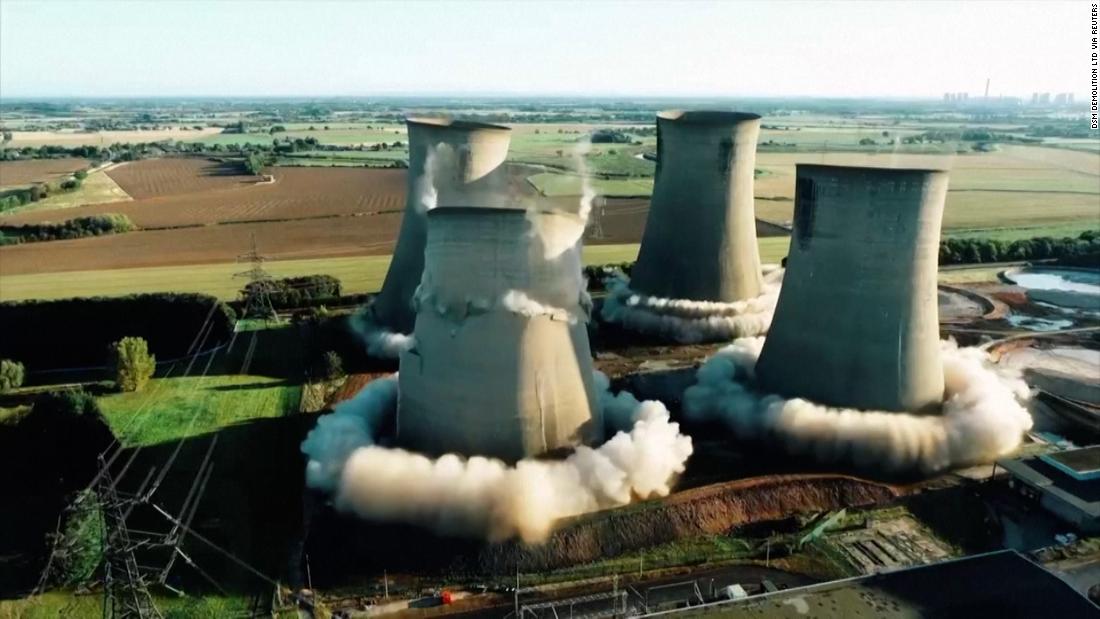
(505, 378)
(857, 322)
(451, 163)
(700, 236)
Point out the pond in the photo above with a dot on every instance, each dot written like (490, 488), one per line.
(1087, 282)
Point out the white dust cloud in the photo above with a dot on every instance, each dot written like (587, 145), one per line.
(690, 322)
(485, 497)
(381, 342)
(984, 415)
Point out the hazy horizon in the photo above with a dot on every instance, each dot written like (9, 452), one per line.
(683, 50)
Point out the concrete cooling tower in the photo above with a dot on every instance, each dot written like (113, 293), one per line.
(700, 236)
(451, 162)
(501, 365)
(857, 322)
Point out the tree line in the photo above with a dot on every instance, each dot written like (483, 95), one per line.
(290, 292)
(78, 227)
(47, 334)
(1083, 249)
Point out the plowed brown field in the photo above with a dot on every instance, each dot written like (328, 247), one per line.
(197, 211)
(156, 178)
(191, 192)
(16, 173)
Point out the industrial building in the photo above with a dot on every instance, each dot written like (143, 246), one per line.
(857, 321)
(502, 365)
(1065, 483)
(700, 234)
(1002, 584)
(451, 163)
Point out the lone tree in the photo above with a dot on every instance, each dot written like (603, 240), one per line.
(11, 375)
(131, 363)
(333, 366)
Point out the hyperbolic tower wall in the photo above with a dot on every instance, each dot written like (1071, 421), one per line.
(857, 322)
(700, 236)
(502, 365)
(451, 163)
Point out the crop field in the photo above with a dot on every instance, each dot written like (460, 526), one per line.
(21, 173)
(157, 178)
(358, 273)
(1018, 186)
(198, 192)
(343, 134)
(302, 238)
(106, 138)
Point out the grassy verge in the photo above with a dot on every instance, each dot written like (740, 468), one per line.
(68, 604)
(172, 408)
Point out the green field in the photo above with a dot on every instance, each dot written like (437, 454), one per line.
(97, 188)
(357, 273)
(55, 604)
(554, 185)
(172, 408)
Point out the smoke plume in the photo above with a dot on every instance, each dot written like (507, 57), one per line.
(381, 342)
(485, 497)
(984, 415)
(689, 322)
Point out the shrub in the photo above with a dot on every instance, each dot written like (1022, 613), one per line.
(334, 365)
(82, 542)
(131, 363)
(68, 402)
(11, 375)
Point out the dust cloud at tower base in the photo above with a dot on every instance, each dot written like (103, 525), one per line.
(698, 277)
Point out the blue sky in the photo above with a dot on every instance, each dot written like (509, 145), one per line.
(686, 48)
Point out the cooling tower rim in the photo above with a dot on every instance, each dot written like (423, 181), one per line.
(885, 170)
(446, 122)
(713, 118)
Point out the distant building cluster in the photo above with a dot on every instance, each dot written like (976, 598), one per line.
(956, 97)
(1043, 98)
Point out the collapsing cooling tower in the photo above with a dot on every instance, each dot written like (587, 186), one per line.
(450, 163)
(857, 322)
(700, 236)
(501, 365)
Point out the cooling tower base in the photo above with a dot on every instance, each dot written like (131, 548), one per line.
(686, 321)
(983, 415)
